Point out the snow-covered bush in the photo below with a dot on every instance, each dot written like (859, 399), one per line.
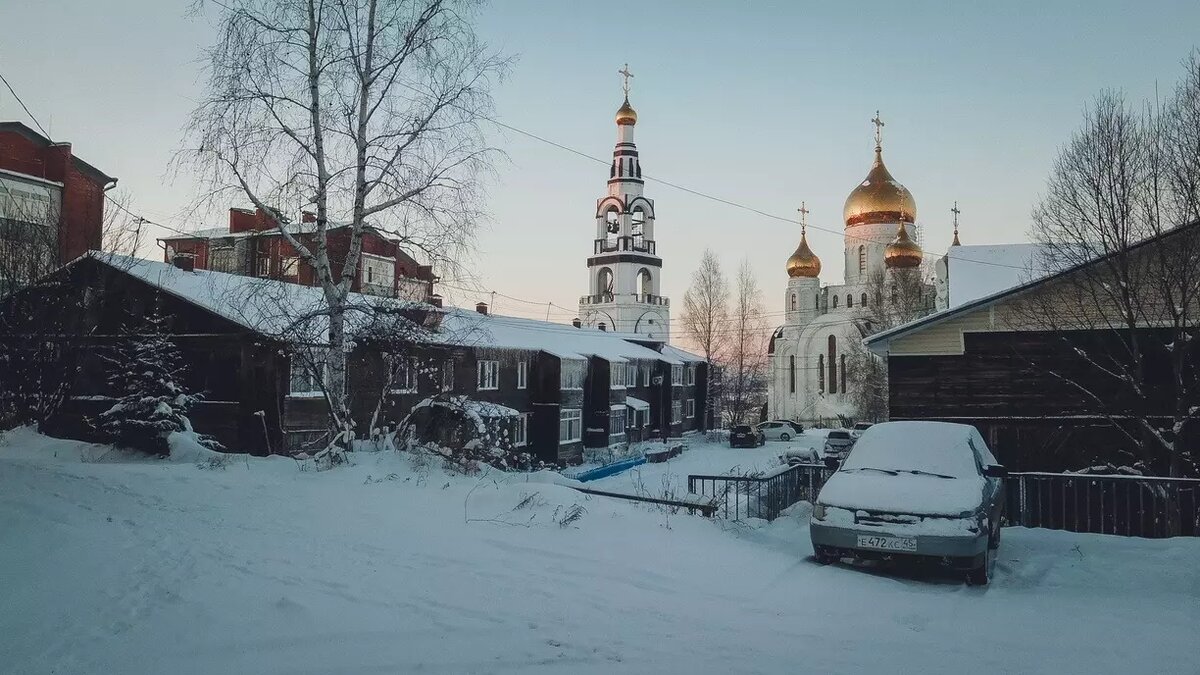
(145, 373)
(466, 433)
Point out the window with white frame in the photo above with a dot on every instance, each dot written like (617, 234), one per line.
(616, 421)
(521, 430)
(378, 274)
(631, 374)
(677, 375)
(307, 373)
(570, 425)
(405, 380)
(488, 375)
(572, 373)
(223, 259)
(691, 375)
(448, 375)
(676, 412)
(522, 374)
(646, 371)
(262, 265)
(617, 374)
(690, 410)
(289, 267)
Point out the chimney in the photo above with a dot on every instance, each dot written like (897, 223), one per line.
(308, 217)
(576, 322)
(184, 261)
(481, 307)
(602, 326)
(435, 300)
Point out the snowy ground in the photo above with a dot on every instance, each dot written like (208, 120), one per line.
(116, 566)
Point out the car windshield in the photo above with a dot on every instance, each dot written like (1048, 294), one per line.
(921, 448)
(862, 426)
(839, 434)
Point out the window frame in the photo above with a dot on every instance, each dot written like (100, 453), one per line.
(689, 409)
(521, 430)
(567, 416)
(487, 375)
(677, 375)
(411, 373)
(616, 375)
(615, 414)
(676, 412)
(569, 368)
(522, 374)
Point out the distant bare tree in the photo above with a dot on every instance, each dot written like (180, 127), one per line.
(1129, 312)
(745, 361)
(368, 110)
(706, 316)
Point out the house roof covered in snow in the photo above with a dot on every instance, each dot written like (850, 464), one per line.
(973, 272)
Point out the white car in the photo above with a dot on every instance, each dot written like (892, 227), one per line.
(859, 428)
(780, 430)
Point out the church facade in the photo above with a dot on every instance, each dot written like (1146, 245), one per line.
(624, 269)
(824, 326)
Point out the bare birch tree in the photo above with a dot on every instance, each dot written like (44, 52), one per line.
(367, 112)
(1129, 311)
(706, 316)
(745, 363)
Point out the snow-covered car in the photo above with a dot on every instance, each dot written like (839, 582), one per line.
(857, 431)
(779, 430)
(801, 455)
(838, 443)
(922, 490)
(745, 436)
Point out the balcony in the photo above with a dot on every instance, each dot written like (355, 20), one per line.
(641, 298)
(638, 244)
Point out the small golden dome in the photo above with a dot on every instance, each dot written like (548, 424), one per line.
(903, 252)
(879, 198)
(803, 263)
(626, 114)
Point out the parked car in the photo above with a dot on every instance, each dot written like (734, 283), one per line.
(920, 490)
(838, 444)
(780, 430)
(745, 436)
(859, 428)
(801, 455)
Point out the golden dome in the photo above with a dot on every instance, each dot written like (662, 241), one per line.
(879, 198)
(626, 114)
(903, 252)
(803, 263)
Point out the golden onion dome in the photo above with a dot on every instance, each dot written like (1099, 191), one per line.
(803, 263)
(879, 198)
(903, 252)
(626, 114)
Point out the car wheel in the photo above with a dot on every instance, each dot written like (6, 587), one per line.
(980, 576)
(785, 437)
(823, 556)
(994, 540)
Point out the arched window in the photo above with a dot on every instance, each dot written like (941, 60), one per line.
(862, 259)
(645, 282)
(833, 369)
(817, 302)
(637, 222)
(604, 284)
(835, 301)
(895, 296)
(792, 372)
(793, 306)
(849, 299)
(843, 373)
(864, 300)
(611, 221)
(821, 373)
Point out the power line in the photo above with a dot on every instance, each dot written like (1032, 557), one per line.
(23, 106)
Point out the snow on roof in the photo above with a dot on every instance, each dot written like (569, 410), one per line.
(636, 403)
(467, 327)
(293, 228)
(977, 271)
(681, 355)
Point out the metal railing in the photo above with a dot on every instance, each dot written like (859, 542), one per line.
(1134, 506)
(703, 508)
(633, 243)
(765, 496)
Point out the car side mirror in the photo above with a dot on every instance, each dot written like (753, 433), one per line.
(995, 471)
(832, 463)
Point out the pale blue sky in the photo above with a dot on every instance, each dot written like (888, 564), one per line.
(763, 103)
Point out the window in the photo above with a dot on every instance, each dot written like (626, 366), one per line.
(604, 284)
(676, 375)
(631, 375)
(849, 299)
(843, 373)
(691, 408)
(223, 260)
(835, 301)
(616, 372)
(793, 305)
(645, 283)
(676, 412)
(616, 421)
(691, 375)
(862, 259)
(817, 302)
(289, 267)
(448, 375)
(646, 370)
(864, 300)
(570, 425)
(488, 375)
(571, 376)
(262, 266)
(307, 371)
(833, 369)
(522, 374)
(521, 430)
(792, 373)
(821, 373)
(405, 380)
(378, 274)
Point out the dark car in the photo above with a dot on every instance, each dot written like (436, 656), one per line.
(745, 436)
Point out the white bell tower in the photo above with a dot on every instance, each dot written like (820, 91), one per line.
(624, 270)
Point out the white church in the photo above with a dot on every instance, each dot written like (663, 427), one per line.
(808, 353)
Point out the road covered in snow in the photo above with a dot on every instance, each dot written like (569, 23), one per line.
(112, 565)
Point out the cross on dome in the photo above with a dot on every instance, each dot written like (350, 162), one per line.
(878, 129)
(803, 216)
(955, 210)
(624, 72)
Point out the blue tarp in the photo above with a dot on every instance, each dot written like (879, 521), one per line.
(608, 469)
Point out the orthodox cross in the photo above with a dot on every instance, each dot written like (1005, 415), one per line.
(878, 128)
(624, 72)
(803, 216)
(955, 211)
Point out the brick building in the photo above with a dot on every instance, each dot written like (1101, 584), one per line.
(252, 245)
(51, 204)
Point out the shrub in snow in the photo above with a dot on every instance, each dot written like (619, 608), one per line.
(145, 373)
(467, 434)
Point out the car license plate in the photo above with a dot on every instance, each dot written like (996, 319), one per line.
(887, 543)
